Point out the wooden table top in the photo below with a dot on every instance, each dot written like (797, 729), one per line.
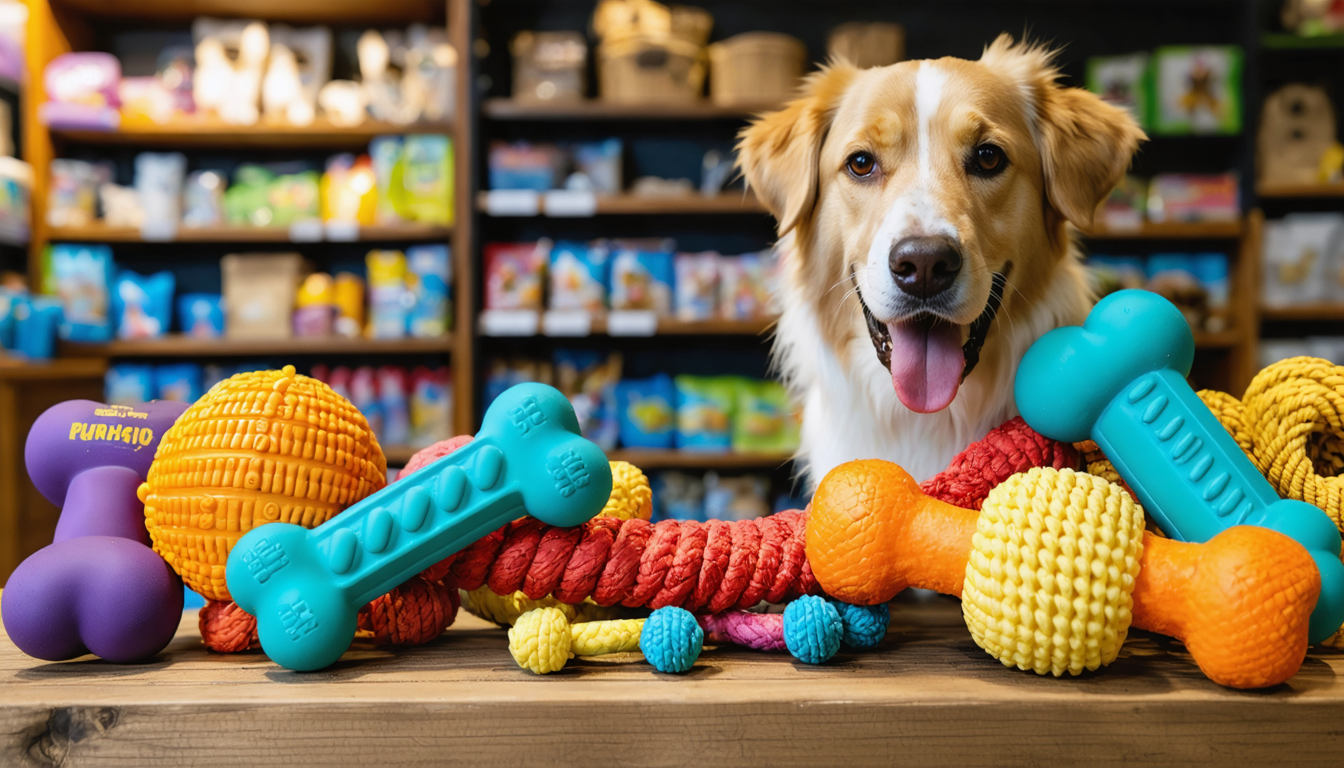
(926, 697)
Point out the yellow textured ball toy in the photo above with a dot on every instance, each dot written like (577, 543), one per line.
(1050, 579)
(631, 497)
(262, 447)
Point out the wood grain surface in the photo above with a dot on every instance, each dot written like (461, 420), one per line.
(926, 697)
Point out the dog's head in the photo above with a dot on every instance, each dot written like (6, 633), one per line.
(930, 192)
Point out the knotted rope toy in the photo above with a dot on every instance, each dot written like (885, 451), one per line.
(1056, 566)
(811, 628)
(543, 639)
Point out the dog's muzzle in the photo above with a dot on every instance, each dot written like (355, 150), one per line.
(975, 339)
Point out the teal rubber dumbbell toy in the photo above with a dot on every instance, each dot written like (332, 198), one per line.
(1120, 380)
(305, 587)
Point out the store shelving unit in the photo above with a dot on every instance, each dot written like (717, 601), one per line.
(58, 26)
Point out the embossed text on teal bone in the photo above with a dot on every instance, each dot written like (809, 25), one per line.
(306, 586)
(1120, 380)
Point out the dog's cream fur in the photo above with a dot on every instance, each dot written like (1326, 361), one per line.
(921, 121)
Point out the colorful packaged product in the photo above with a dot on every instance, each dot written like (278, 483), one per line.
(349, 190)
(513, 274)
(159, 177)
(642, 280)
(735, 498)
(431, 406)
(315, 306)
(82, 275)
(578, 276)
(697, 278)
(645, 410)
(524, 165)
(1212, 271)
(178, 381)
(143, 305)
(203, 199)
(394, 405)
(8, 300)
(37, 320)
(386, 154)
(744, 287)
(259, 290)
(764, 419)
(1193, 197)
(588, 378)
(81, 90)
(1302, 256)
(678, 496)
(348, 293)
(388, 298)
(429, 276)
(427, 177)
(201, 315)
(1109, 274)
(1172, 275)
(705, 412)
(502, 374)
(364, 396)
(72, 198)
(1122, 81)
(16, 212)
(1197, 89)
(600, 164)
(128, 384)
(1125, 205)
(339, 380)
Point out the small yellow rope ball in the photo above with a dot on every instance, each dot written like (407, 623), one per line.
(631, 496)
(1049, 581)
(540, 640)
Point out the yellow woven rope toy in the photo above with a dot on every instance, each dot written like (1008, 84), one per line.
(543, 639)
(631, 496)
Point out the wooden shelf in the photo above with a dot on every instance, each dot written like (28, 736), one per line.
(210, 132)
(398, 455)
(1170, 231)
(674, 205)
(924, 696)
(668, 326)
(650, 458)
(99, 233)
(303, 11)
(186, 346)
(1218, 340)
(1305, 312)
(1284, 191)
(593, 109)
(15, 368)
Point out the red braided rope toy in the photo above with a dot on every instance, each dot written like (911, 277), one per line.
(707, 567)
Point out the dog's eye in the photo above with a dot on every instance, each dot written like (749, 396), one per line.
(861, 164)
(988, 160)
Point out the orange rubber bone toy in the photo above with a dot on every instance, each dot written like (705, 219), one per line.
(1056, 566)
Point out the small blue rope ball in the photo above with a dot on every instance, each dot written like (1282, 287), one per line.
(865, 625)
(812, 629)
(671, 639)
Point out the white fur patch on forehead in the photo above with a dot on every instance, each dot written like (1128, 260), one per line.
(930, 80)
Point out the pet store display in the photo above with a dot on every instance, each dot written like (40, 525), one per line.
(245, 73)
(1303, 260)
(1198, 283)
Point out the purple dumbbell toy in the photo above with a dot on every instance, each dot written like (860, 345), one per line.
(98, 587)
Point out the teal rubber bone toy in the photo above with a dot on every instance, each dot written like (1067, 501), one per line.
(1120, 380)
(305, 587)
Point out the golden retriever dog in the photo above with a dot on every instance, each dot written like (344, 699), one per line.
(922, 211)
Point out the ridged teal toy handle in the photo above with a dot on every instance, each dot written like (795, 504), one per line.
(1120, 380)
(305, 587)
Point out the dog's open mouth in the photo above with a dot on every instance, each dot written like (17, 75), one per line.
(925, 353)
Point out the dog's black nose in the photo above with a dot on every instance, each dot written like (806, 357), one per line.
(925, 266)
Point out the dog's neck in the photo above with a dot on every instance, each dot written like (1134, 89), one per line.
(851, 410)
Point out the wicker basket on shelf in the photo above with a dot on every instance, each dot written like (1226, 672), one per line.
(755, 68)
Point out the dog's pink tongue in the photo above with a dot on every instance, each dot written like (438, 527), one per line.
(926, 363)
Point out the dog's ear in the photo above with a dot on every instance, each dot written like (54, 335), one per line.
(778, 152)
(1086, 144)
